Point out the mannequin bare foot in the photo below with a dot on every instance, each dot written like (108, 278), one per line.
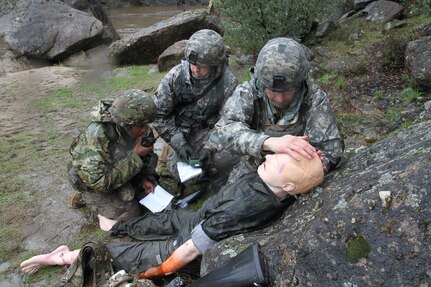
(105, 223)
(54, 258)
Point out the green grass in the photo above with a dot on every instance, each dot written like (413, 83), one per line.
(327, 78)
(62, 98)
(378, 94)
(132, 77)
(410, 95)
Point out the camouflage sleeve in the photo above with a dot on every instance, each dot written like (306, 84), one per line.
(97, 169)
(165, 100)
(234, 129)
(321, 128)
(231, 82)
(230, 85)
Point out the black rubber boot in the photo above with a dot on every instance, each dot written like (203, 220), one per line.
(245, 270)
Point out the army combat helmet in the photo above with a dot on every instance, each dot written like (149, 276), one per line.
(281, 65)
(205, 48)
(133, 107)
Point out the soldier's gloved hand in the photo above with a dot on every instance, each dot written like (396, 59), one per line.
(185, 152)
(205, 157)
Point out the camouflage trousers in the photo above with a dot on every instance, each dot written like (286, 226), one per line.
(159, 234)
(120, 204)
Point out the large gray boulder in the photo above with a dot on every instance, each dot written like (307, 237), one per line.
(49, 30)
(383, 11)
(418, 60)
(145, 46)
(171, 56)
(368, 225)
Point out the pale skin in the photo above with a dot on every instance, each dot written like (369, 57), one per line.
(287, 144)
(272, 172)
(199, 72)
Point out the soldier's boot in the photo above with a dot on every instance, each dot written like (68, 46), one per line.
(76, 201)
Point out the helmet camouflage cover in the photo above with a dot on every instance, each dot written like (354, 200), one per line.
(133, 107)
(281, 65)
(205, 48)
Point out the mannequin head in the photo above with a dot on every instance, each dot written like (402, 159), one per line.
(281, 171)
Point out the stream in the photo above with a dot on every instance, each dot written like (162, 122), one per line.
(128, 20)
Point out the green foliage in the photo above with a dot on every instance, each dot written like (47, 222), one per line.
(250, 24)
(421, 7)
(379, 94)
(341, 83)
(357, 248)
(326, 78)
(392, 47)
(410, 95)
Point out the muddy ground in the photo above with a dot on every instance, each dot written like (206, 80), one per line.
(35, 136)
(41, 215)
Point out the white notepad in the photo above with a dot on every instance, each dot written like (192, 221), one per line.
(157, 200)
(186, 171)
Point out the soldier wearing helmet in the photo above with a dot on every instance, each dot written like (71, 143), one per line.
(279, 110)
(110, 167)
(189, 100)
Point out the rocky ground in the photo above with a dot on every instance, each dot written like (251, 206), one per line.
(35, 135)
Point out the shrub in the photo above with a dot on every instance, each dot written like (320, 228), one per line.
(249, 24)
(421, 7)
(393, 48)
(410, 95)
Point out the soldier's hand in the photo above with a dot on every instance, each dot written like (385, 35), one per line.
(185, 152)
(147, 186)
(150, 273)
(288, 144)
(322, 159)
(140, 150)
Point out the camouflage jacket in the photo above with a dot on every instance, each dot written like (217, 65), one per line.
(184, 108)
(103, 156)
(247, 121)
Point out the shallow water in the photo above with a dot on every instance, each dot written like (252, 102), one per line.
(129, 20)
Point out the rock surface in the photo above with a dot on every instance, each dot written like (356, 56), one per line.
(383, 11)
(49, 30)
(145, 46)
(418, 60)
(368, 225)
(171, 56)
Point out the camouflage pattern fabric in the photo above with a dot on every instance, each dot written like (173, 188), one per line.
(133, 107)
(193, 121)
(103, 158)
(92, 267)
(246, 124)
(205, 48)
(272, 61)
(243, 206)
(188, 108)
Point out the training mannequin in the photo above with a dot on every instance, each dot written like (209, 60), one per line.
(177, 237)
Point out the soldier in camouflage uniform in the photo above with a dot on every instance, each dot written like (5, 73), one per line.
(109, 164)
(173, 238)
(279, 110)
(189, 99)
